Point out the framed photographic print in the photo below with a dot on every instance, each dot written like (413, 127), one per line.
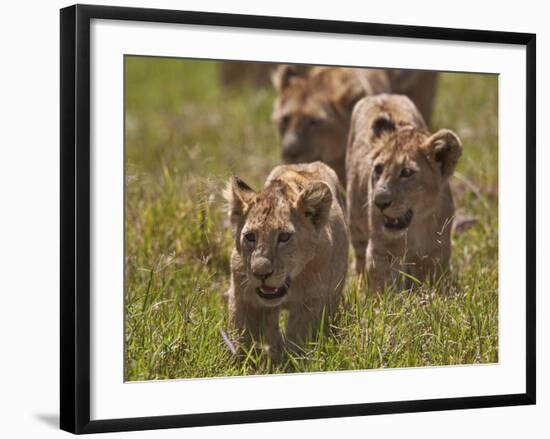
(268, 218)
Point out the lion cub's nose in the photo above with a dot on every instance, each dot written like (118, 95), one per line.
(290, 147)
(261, 268)
(383, 198)
(290, 154)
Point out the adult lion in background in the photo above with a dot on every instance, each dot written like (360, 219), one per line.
(290, 253)
(399, 202)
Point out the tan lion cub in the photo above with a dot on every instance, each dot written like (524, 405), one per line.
(291, 249)
(400, 206)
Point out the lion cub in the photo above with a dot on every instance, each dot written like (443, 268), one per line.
(313, 107)
(291, 250)
(400, 207)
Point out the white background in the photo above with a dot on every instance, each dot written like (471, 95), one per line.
(29, 249)
(112, 398)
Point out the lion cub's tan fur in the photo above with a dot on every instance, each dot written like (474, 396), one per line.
(394, 165)
(305, 202)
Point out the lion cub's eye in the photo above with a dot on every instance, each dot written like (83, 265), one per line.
(407, 173)
(250, 237)
(312, 122)
(378, 169)
(284, 237)
(283, 123)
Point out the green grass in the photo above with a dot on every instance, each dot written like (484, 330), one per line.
(185, 135)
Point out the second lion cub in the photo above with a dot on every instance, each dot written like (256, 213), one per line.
(400, 206)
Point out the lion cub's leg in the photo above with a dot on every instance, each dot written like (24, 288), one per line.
(357, 218)
(304, 321)
(359, 239)
(256, 324)
(378, 269)
(384, 270)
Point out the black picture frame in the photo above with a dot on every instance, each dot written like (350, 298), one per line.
(75, 217)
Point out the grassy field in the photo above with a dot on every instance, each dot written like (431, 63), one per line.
(185, 135)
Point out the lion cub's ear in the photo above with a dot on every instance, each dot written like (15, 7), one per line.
(282, 75)
(238, 196)
(444, 148)
(315, 202)
(382, 124)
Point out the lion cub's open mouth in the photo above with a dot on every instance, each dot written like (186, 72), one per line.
(399, 223)
(270, 293)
